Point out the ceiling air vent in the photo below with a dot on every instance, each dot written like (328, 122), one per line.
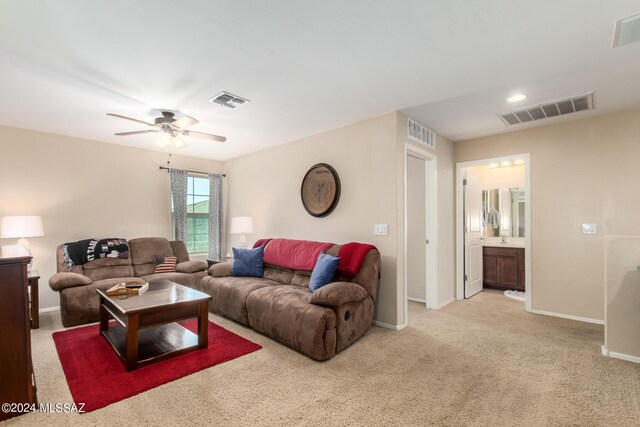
(549, 109)
(227, 99)
(626, 30)
(421, 134)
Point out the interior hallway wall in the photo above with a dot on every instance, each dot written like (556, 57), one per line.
(581, 172)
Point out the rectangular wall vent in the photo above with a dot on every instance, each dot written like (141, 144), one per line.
(549, 109)
(421, 134)
(227, 99)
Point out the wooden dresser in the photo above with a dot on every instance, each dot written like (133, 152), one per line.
(503, 268)
(17, 380)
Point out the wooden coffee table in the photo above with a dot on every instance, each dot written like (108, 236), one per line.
(146, 328)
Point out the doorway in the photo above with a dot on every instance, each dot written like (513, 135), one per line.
(493, 226)
(420, 230)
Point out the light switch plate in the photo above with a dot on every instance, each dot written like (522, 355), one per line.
(589, 228)
(379, 229)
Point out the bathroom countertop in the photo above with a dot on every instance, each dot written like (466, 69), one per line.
(514, 242)
(504, 245)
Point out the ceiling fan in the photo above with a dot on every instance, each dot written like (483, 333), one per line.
(172, 129)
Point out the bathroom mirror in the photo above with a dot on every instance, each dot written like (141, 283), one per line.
(503, 212)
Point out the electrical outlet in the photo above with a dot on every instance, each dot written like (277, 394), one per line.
(379, 229)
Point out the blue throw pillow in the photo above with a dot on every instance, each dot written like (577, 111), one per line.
(323, 272)
(247, 262)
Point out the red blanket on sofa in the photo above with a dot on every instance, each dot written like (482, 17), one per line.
(294, 254)
(303, 254)
(351, 256)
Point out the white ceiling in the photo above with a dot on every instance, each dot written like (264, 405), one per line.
(307, 66)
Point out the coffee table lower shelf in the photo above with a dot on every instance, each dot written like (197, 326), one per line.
(155, 343)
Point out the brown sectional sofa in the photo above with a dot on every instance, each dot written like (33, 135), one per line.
(78, 297)
(280, 304)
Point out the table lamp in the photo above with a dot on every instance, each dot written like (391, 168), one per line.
(242, 225)
(21, 227)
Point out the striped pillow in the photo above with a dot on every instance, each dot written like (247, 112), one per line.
(165, 264)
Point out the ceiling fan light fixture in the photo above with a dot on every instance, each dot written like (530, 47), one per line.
(165, 138)
(170, 130)
(178, 142)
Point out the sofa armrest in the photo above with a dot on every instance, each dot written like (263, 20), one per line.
(191, 266)
(338, 293)
(221, 269)
(60, 281)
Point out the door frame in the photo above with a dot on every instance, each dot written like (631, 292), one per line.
(431, 199)
(460, 166)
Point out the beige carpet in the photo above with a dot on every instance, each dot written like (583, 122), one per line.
(484, 361)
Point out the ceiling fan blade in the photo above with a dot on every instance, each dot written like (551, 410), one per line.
(130, 118)
(136, 132)
(202, 135)
(184, 122)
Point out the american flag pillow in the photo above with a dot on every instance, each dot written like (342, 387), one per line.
(165, 264)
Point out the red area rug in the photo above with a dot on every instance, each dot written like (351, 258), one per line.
(96, 375)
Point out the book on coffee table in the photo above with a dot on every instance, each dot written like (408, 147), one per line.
(128, 288)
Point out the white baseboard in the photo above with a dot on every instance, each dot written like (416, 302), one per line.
(44, 310)
(628, 358)
(422, 301)
(568, 316)
(446, 303)
(389, 326)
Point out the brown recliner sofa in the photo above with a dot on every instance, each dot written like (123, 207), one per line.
(280, 305)
(79, 301)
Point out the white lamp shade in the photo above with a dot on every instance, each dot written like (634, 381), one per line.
(241, 225)
(20, 226)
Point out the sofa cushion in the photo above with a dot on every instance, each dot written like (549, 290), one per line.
(165, 264)
(229, 294)
(301, 278)
(285, 314)
(221, 269)
(338, 293)
(323, 272)
(247, 262)
(104, 268)
(144, 251)
(186, 279)
(191, 266)
(279, 274)
(59, 281)
(179, 250)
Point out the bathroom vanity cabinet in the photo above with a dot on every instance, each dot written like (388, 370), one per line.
(503, 268)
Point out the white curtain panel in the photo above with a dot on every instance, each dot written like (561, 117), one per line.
(215, 217)
(179, 200)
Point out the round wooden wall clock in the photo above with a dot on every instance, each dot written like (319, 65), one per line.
(320, 190)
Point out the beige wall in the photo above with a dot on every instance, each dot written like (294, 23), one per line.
(369, 157)
(581, 172)
(84, 189)
(266, 186)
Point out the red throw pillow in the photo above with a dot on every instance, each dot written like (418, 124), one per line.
(165, 264)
